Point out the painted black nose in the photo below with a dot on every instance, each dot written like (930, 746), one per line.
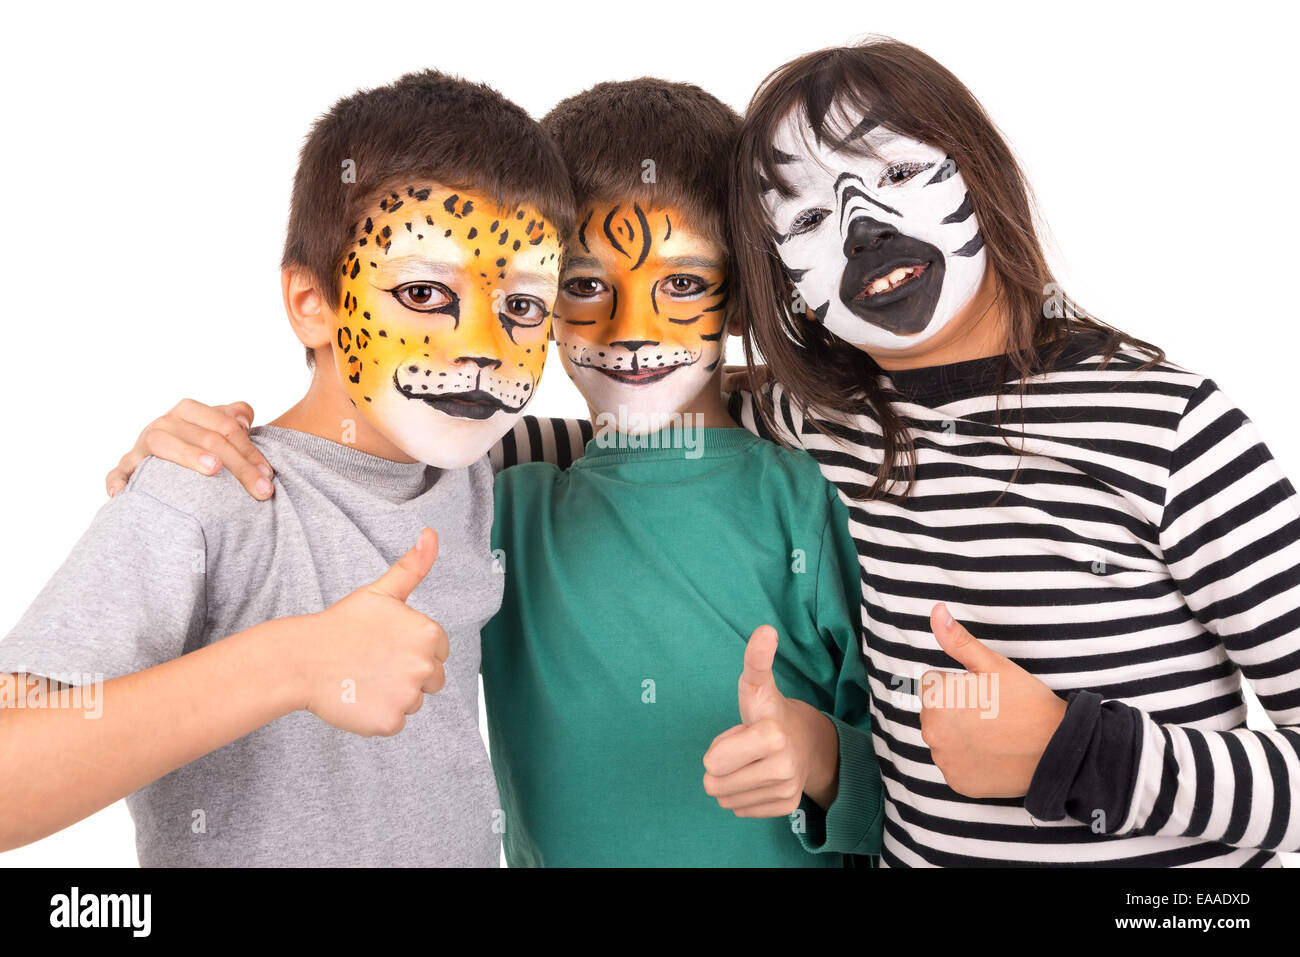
(866, 235)
(632, 345)
(481, 361)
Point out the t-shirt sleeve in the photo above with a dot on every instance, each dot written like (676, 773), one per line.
(128, 597)
(853, 822)
(786, 426)
(560, 442)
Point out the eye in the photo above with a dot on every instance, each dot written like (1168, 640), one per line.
(423, 296)
(808, 220)
(583, 287)
(683, 286)
(896, 174)
(525, 310)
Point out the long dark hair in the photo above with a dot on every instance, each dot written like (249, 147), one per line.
(909, 92)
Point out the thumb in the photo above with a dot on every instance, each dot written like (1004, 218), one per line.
(409, 570)
(759, 697)
(960, 644)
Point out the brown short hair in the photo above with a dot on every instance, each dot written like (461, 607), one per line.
(425, 125)
(909, 92)
(606, 134)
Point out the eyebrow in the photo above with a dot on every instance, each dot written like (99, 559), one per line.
(425, 262)
(538, 278)
(581, 262)
(699, 262)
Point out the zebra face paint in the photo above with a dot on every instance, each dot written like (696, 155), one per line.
(884, 249)
(641, 312)
(441, 334)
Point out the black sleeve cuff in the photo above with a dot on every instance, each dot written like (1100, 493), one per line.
(1089, 768)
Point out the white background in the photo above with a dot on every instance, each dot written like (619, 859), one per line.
(148, 154)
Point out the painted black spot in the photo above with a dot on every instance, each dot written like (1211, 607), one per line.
(449, 204)
(369, 226)
(493, 227)
(501, 262)
(356, 268)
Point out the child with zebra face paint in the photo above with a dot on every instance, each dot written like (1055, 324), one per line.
(877, 234)
(1112, 529)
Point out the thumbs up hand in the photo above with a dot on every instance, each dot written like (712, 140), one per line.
(782, 749)
(987, 727)
(368, 660)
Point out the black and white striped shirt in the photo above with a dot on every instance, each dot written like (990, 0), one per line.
(1144, 546)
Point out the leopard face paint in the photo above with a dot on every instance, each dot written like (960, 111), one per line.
(441, 335)
(641, 311)
(883, 249)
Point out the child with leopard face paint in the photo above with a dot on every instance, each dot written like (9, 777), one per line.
(1112, 530)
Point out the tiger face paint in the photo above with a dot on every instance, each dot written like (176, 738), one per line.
(884, 249)
(441, 335)
(641, 311)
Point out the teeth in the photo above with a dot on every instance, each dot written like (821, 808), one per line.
(880, 285)
(898, 275)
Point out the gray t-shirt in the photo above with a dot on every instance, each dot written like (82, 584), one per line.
(179, 560)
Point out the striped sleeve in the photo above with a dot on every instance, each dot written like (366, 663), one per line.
(1230, 536)
(558, 441)
(743, 407)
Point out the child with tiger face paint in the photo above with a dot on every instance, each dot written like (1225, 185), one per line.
(641, 318)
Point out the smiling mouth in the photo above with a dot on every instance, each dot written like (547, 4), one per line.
(890, 280)
(638, 376)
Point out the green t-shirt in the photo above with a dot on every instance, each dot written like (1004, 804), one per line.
(633, 580)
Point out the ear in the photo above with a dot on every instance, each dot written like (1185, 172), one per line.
(312, 319)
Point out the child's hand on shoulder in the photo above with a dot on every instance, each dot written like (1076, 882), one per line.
(204, 439)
